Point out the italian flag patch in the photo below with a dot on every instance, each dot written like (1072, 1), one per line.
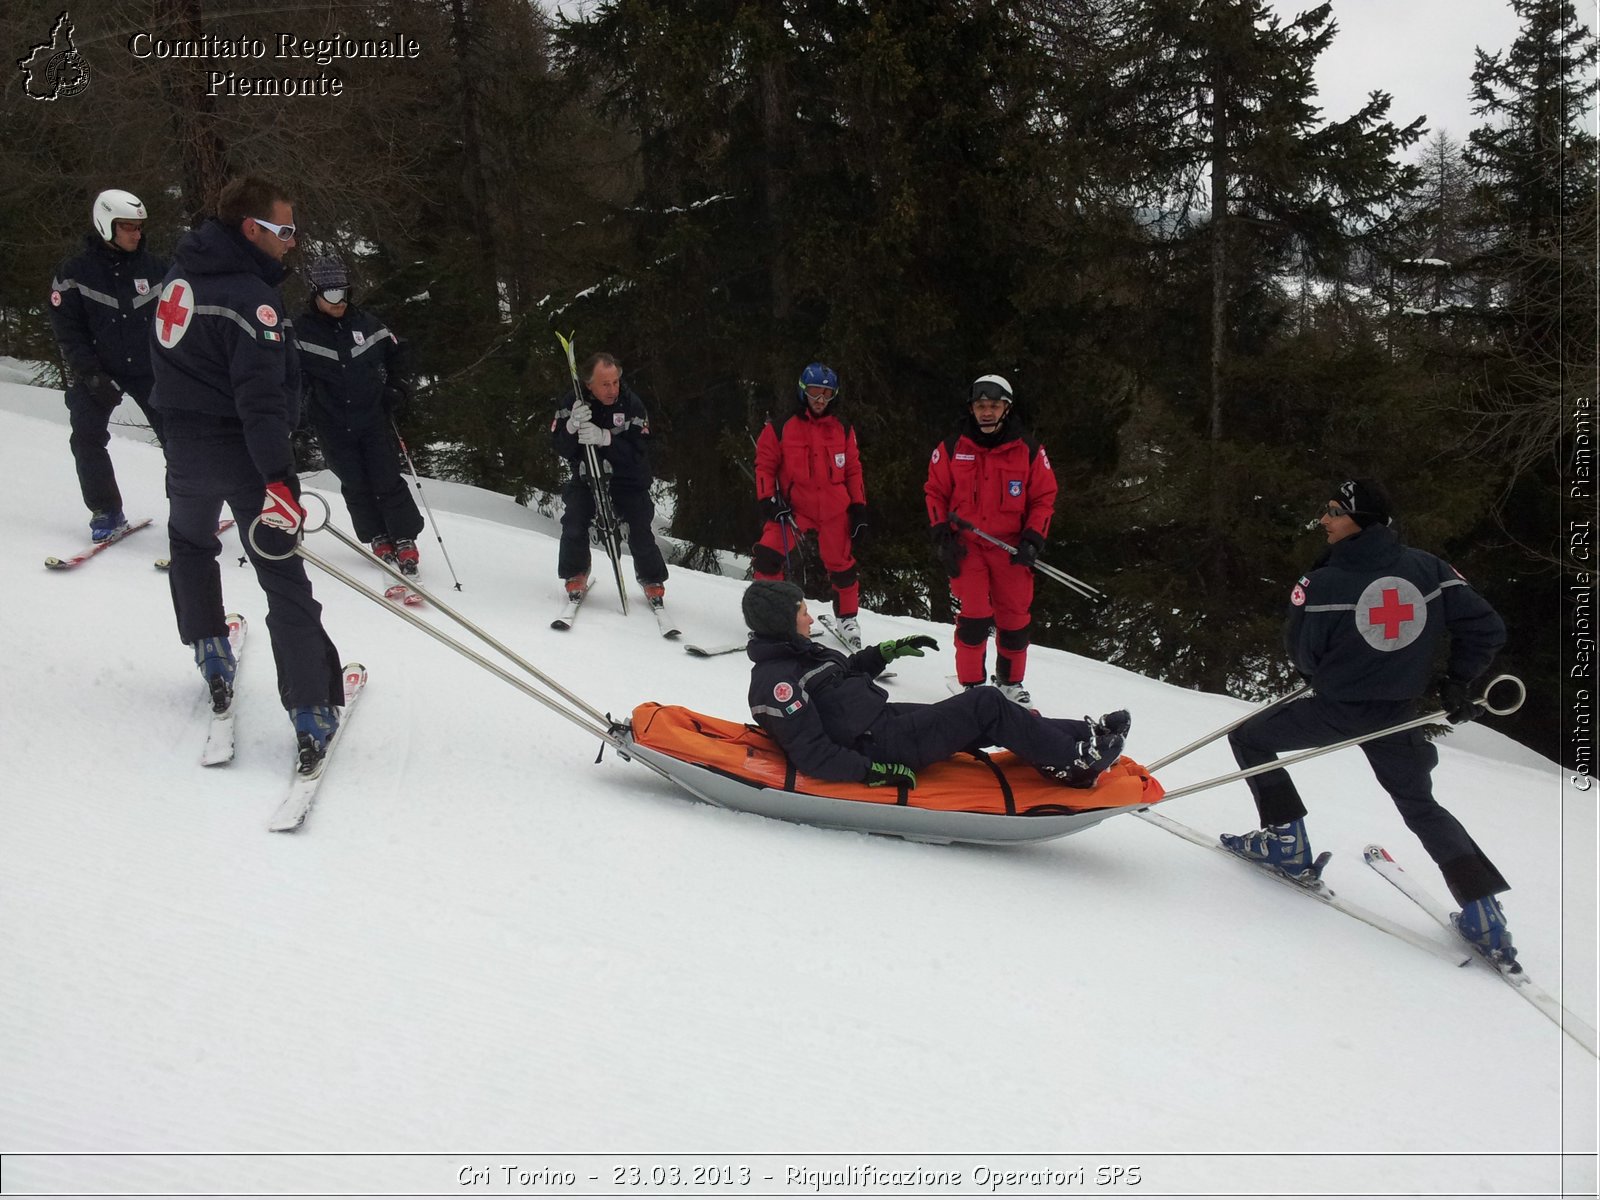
(272, 335)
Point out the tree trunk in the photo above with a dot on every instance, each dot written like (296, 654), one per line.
(777, 131)
(194, 118)
(461, 29)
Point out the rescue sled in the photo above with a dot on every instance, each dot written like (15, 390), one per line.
(995, 799)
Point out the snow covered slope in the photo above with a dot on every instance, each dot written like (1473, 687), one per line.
(485, 940)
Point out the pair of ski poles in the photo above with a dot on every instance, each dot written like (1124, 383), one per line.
(1043, 568)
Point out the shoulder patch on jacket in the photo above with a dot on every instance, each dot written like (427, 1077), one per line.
(1298, 596)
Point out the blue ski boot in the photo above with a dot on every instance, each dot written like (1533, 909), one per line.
(1284, 848)
(314, 727)
(1483, 923)
(104, 525)
(214, 657)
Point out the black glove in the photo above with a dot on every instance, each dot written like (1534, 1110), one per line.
(950, 547)
(897, 775)
(104, 389)
(1460, 705)
(911, 647)
(774, 508)
(396, 396)
(1028, 547)
(856, 520)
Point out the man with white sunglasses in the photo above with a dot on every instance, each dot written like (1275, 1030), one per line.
(227, 383)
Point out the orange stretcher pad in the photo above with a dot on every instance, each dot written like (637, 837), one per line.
(999, 783)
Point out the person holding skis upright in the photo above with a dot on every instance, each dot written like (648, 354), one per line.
(1363, 627)
(355, 385)
(612, 419)
(102, 300)
(994, 475)
(227, 384)
(808, 478)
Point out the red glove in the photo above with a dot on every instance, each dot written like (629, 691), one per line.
(280, 509)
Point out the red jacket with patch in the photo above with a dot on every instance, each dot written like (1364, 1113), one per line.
(814, 462)
(1001, 488)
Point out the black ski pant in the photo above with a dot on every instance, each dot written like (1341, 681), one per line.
(919, 735)
(1402, 762)
(90, 421)
(367, 462)
(208, 466)
(634, 509)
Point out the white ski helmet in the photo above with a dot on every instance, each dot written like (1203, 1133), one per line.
(114, 204)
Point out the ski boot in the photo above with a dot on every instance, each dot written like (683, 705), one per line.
(214, 657)
(1015, 692)
(1483, 923)
(383, 550)
(314, 727)
(578, 586)
(656, 594)
(1094, 754)
(850, 631)
(1281, 848)
(407, 557)
(103, 526)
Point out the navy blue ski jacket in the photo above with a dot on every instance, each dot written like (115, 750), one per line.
(629, 424)
(816, 702)
(101, 302)
(1366, 624)
(221, 347)
(346, 363)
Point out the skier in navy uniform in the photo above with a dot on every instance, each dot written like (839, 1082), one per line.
(227, 383)
(835, 723)
(101, 302)
(354, 385)
(1363, 629)
(612, 419)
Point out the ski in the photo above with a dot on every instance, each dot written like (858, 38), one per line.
(1322, 894)
(664, 622)
(83, 556)
(1381, 861)
(219, 734)
(161, 564)
(715, 651)
(569, 612)
(296, 806)
(401, 594)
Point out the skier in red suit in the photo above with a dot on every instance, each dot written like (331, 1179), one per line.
(998, 477)
(808, 477)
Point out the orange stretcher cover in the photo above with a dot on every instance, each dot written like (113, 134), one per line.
(965, 783)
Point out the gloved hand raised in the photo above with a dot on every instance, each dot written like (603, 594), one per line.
(951, 549)
(593, 435)
(581, 412)
(906, 647)
(881, 774)
(281, 507)
(1028, 547)
(1460, 704)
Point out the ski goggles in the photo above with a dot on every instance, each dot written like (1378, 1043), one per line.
(989, 391)
(817, 392)
(1335, 511)
(285, 232)
(333, 295)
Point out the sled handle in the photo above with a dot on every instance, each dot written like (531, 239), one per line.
(299, 535)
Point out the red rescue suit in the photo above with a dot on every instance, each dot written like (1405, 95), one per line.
(813, 463)
(1002, 483)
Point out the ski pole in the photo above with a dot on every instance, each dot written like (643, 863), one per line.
(610, 533)
(1303, 689)
(433, 522)
(1431, 719)
(1044, 568)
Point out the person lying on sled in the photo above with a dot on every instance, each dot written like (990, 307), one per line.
(835, 723)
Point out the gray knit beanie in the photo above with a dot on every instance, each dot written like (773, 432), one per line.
(770, 607)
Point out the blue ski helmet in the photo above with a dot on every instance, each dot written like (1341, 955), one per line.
(816, 375)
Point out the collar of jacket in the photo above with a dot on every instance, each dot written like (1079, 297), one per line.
(1009, 430)
(1373, 546)
(765, 649)
(214, 249)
